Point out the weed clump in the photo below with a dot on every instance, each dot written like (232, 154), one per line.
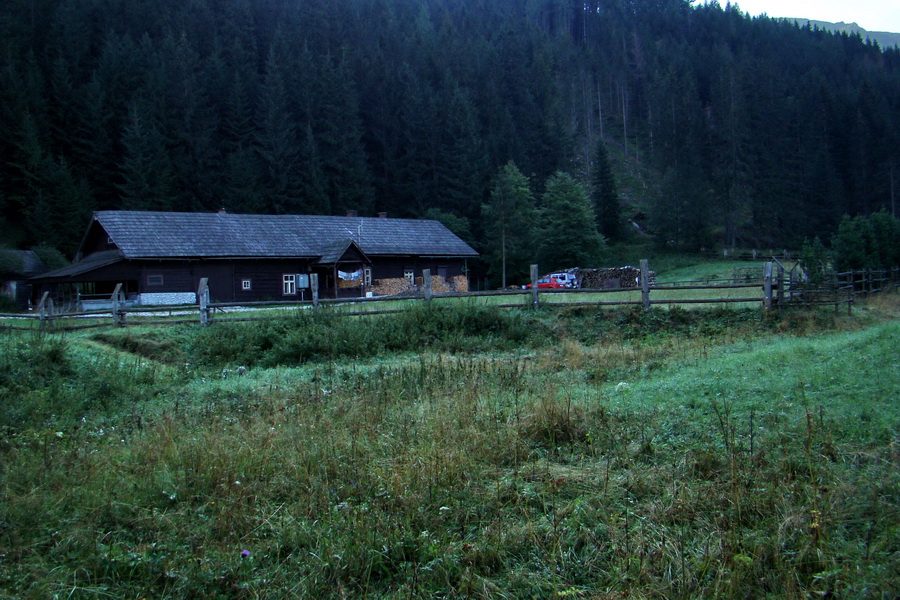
(309, 337)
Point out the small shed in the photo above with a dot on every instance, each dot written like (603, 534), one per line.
(17, 267)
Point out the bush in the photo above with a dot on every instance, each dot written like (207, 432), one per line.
(309, 337)
(814, 258)
(871, 242)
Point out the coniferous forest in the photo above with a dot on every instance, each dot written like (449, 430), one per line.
(713, 127)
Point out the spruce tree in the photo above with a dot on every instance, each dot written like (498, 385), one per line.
(854, 244)
(147, 178)
(335, 118)
(569, 233)
(461, 162)
(607, 205)
(278, 135)
(509, 220)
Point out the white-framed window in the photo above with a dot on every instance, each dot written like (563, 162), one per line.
(289, 285)
(246, 285)
(154, 279)
(367, 276)
(410, 275)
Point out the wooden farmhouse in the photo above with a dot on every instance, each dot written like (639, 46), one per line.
(161, 257)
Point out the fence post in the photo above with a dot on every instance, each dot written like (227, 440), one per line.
(426, 284)
(314, 289)
(767, 286)
(645, 284)
(780, 285)
(203, 300)
(118, 311)
(534, 286)
(45, 310)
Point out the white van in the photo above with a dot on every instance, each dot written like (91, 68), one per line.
(569, 279)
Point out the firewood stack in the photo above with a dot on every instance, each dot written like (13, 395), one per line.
(459, 283)
(400, 286)
(392, 287)
(614, 277)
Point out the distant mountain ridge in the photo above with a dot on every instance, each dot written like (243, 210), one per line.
(885, 39)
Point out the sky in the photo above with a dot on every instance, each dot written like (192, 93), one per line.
(871, 15)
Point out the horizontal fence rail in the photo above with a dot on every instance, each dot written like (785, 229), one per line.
(778, 287)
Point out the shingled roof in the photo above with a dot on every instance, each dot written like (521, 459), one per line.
(144, 235)
(20, 262)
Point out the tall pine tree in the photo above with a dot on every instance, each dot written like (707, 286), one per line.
(607, 205)
(569, 235)
(147, 177)
(509, 222)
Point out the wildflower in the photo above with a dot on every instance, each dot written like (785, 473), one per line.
(245, 553)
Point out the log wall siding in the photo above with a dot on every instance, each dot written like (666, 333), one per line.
(266, 276)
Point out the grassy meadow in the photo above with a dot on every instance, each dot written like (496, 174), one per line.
(457, 452)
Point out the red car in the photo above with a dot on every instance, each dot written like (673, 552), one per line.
(549, 283)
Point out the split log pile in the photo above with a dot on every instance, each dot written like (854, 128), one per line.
(392, 287)
(439, 285)
(400, 286)
(459, 283)
(614, 277)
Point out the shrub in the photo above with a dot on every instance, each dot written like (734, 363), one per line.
(309, 337)
(871, 242)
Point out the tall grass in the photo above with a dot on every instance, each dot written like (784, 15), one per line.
(615, 455)
(308, 336)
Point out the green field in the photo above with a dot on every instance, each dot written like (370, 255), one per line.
(458, 452)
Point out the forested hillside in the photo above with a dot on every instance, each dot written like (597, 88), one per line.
(721, 129)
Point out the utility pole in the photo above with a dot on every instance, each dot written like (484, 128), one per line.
(893, 193)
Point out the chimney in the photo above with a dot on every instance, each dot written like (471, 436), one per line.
(382, 215)
(222, 211)
(351, 213)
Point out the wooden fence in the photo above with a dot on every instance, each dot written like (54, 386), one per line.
(779, 286)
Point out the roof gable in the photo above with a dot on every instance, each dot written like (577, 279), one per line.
(342, 251)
